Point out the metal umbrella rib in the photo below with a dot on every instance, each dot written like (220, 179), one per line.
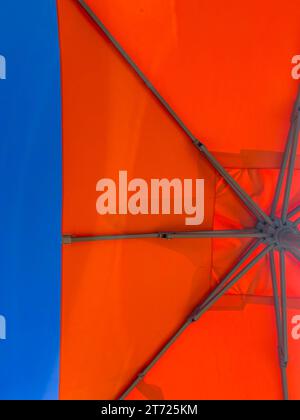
(286, 155)
(195, 315)
(278, 325)
(210, 234)
(283, 304)
(245, 198)
(294, 212)
(291, 168)
(242, 260)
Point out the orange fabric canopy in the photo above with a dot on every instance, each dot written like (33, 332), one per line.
(224, 67)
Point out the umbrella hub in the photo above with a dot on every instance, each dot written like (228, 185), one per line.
(289, 238)
(283, 235)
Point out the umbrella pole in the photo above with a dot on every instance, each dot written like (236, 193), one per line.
(246, 199)
(210, 234)
(209, 301)
(278, 326)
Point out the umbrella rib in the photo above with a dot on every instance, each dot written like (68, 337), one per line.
(294, 212)
(294, 248)
(209, 301)
(290, 173)
(284, 356)
(201, 308)
(278, 325)
(210, 234)
(216, 295)
(282, 171)
(246, 199)
(286, 155)
(295, 254)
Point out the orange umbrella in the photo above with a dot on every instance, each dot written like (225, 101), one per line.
(151, 307)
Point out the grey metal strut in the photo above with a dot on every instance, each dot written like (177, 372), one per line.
(286, 155)
(280, 339)
(247, 233)
(192, 318)
(246, 199)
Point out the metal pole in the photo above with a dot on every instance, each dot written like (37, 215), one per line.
(252, 206)
(278, 326)
(192, 318)
(250, 233)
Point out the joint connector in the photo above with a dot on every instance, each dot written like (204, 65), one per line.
(283, 364)
(195, 315)
(296, 113)
(67, 240)
(295, 116)
(283, 360)
(164, 236)
(197, 143)
(148, 84)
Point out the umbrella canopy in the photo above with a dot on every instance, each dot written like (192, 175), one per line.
(179, 124)
(140, 80)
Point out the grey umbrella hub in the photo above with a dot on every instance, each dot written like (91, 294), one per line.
(272, 233)
(283, 235)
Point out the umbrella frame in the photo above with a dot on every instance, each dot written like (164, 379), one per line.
(271, 233)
